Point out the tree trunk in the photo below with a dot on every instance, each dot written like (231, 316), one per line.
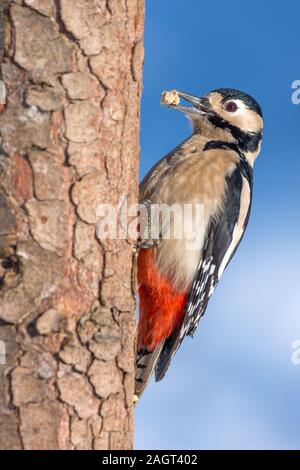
(69, 141)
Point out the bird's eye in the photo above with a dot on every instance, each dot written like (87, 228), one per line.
(231, 106)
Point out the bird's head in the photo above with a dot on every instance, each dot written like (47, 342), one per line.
(236, 113)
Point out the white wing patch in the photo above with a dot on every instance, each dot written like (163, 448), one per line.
(239, 228)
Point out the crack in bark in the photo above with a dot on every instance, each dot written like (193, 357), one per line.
(62, 26)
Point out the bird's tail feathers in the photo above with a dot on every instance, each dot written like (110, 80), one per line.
(145, 364)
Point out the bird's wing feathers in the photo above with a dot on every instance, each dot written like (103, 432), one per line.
(223, 236)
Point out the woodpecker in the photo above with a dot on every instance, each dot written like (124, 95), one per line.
(213, 168)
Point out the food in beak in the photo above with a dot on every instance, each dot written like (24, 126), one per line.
(200, 106)
(170, 98)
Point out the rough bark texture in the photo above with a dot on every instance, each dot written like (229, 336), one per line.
(68, 141)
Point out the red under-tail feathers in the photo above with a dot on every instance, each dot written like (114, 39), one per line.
(161, 306)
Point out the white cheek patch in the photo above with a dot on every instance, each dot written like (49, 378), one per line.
(241, 106)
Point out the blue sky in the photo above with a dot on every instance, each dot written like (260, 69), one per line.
(234, 385)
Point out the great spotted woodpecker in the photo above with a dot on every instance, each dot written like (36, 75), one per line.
(213, 168)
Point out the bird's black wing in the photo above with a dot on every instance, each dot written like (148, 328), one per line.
(217, 243)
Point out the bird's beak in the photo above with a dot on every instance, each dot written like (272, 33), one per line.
(200, 105)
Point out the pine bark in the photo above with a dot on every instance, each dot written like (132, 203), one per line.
(69, 141)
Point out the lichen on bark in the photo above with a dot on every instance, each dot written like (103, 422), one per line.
(69, 140)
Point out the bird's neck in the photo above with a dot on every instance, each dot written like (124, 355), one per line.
(207, 131)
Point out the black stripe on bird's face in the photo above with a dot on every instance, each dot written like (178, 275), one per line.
(247, 141)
